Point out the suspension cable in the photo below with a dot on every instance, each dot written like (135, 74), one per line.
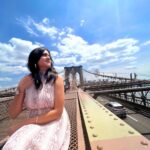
(109, 76)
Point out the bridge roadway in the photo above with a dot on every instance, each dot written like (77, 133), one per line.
(120, 90)
(134, 118)
(93, 126)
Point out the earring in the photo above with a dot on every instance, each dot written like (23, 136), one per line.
(35, 65)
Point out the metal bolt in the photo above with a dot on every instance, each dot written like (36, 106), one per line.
(95, 135)
(121, 124)
(89, 121)
(115, 119)
(110, 114)
(131, 132)
(91, 127)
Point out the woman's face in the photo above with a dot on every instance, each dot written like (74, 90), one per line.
(45, 62)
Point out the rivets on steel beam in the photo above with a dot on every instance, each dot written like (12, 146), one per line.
(87, 116)
(121, 124)
(110, 114)
(144, 143)
(106, 111)
(131, 132)
(95, 135)
(89, 121)
(99, 147)
(91, 127)
(115, 119)
(103, 108)
(86, 113)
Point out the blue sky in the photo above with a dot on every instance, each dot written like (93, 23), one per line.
(112, 36)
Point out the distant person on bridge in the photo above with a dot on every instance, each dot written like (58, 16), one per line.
(42, 93)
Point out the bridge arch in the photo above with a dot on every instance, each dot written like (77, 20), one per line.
(73, 71)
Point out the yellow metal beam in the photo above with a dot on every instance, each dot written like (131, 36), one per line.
(106, 128)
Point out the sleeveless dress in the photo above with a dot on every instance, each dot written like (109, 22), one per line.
(51, 136)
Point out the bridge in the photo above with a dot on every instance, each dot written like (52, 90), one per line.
(92, 125)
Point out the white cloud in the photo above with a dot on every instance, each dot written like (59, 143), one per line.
(14, 69)
(130, 67)
(82, 22)
(72, 44)
(76, 45)
(28, 25)
(45, 21)
(74, 50)
(4, 79)
(130, 50)
(60, 69)
(44, 27)
(50, 31)
(121, 43)
(36, 29)
(67, 61)
(54, 53)
(15, 53)
(96, 53)
(146, 43)
(129, 59)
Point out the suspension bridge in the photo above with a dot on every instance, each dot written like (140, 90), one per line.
(92, 125)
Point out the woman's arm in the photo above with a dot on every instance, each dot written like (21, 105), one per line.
(16, 105)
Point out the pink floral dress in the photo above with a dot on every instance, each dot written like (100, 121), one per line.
(51, 136)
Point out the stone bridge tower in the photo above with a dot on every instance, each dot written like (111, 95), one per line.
(72, 71)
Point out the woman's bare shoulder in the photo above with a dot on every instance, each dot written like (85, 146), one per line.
(59, 80)
(27, 78)
(26, 81)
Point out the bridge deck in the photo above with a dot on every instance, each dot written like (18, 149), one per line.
(92, 126)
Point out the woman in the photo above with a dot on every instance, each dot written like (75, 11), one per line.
(42, 93)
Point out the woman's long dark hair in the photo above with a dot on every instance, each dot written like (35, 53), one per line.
(33, 59)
